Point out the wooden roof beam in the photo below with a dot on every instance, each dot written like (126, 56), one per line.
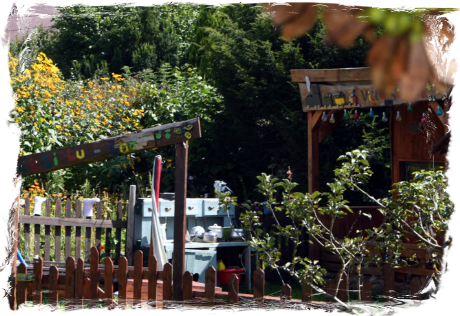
(332, 75)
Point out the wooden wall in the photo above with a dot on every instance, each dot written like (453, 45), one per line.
(411, 143)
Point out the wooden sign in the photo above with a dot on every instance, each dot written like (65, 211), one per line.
(109, 148)
(348, 96)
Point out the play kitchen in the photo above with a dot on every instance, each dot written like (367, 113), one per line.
(211, 235)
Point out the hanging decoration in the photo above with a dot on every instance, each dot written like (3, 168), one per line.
(423, 118)
(371, 113)
(398, 117)
(384, 118)
(356, 116)
(439, 111)
(409, 108)
(345, 114)
(332, 120)
(324, 117)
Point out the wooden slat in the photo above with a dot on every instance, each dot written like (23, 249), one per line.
(57, 233)
(138, 260)
(78, 231)
(68, 229)
(53, 288)
(343, 287)
(37, 240)
(47, 249)
(187, 286)
(122, 281)
(21, 288)
(233, 289)
(332, 75)
(108, 282)
(26, 230)
(94, 276)
(108, 148)
(366, 291)
(415, 271)
(118, 232)
(97, 237)
(285, 296)
(79, 283)
(331, 307)
(88, 241)
(307, 293)
(259, 287)
(130, 227)
(210, 285)
(70, 283)
(167, 283)
(78, 222)
(152, 287)
(415, 287)
(37, 283)
(389, 281)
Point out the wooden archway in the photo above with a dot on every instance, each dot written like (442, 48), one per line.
(175, 133)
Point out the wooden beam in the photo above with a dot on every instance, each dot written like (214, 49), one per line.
(180, 218)
(313, 147)
(332, 75)
(109, 148)
(81, 222)
(11, 247)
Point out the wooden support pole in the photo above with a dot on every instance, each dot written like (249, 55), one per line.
(11, 246)
(180, 218)
(130, 229)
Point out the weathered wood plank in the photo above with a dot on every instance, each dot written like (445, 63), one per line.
(21, 288)
(79, 283)
(94, 276)
(389, 282)
(88, 245)
(330, 289)
(53, 288)
(70, 284)
(307, 293)
(415, 271)
(152, 287)
(79, 222)
(259, 286)
(97, 238)
(285, 296)
(109, 148)
(332, 75)
(108, 282)
(118, 232)
(233, 289)
(130, 225)
(37, 240)
(366, 291)
(47, 249)
(78, 231)
(68, 229)
(210, 285)
(26, 229)
(122, 281)
(187, 286)
(138, 260)
(37, 283)
(57, 233)
(167, 282)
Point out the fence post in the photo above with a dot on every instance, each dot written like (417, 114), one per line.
(285, 296)
(233, 289)
(118, 232)
(137, 283)
(130, 224)
(94, 277)
(47, 231)
(259, 287)
(27, 230)
(389, 282)
(21, 288)
(79, 283)
(122, 281)
(57, 233)
(70, 285)
(307, 293)
(415, 286)
(330, 289)
(53, 287)
(210, 285)
(152, 285)
(366, 291)
(37, 285)
(167, 283)
(187, 286)
(108, 282)
(68, 229)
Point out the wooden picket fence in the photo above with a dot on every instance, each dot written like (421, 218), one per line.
(81, 284)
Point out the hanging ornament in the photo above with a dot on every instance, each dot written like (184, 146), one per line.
(354, 97)
(409, 108)
(384, 118)
(423, 118)
(371, 113)
(398, 117)
(324, 117)
(356, 116)
(345, 114)
(332, 120)
(439, 111)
